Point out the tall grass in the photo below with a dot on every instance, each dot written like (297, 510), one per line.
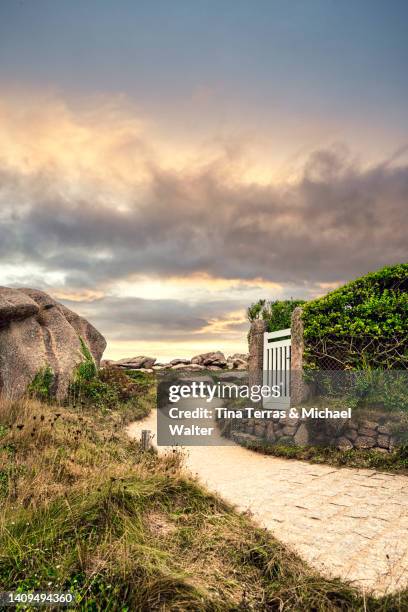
(86, 509)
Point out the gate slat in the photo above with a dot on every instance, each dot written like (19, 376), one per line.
(277, 363)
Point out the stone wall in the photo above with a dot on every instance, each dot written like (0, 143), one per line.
(368, 430)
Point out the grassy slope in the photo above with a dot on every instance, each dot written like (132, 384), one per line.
(395, 462)
(83, 508)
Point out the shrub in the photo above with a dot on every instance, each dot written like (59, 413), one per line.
(254, 311)
(277, 313)
(108, 389)
(362, 324)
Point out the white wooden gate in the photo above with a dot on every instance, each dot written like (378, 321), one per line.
(276, 366)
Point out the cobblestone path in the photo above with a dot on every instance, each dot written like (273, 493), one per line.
(349, 523)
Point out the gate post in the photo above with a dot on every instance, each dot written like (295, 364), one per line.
(298, 390)
(256, 347)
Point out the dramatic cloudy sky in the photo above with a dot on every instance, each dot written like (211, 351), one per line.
(164, 164)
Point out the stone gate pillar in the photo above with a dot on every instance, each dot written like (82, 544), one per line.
(298, 389)
(255, 360)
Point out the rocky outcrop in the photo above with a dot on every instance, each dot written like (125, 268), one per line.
(175, 362)
(136, 363)
(36, 331)
(214, 360)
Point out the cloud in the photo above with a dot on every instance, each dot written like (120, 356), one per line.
(92, 198)
(337, 221)
(161, 319)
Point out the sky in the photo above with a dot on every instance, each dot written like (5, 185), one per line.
(165, 164)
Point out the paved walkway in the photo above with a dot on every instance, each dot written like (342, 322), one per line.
(345, 522)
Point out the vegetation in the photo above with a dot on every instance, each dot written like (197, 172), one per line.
(395, 461)
(87, 369)
(367, 388)
(108, 388)
(41, 385)
(83, 508)
(277, 314)
(362, 324)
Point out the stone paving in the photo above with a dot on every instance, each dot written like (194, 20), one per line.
(345, 522)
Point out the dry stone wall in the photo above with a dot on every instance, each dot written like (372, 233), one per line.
(379, 431)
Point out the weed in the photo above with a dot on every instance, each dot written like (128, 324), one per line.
(41, 385)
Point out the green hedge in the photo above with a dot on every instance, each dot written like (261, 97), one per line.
(277, 313)
(363, 324)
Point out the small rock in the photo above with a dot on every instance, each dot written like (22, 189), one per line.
(365, 431)
(260, 429)
(364, 442)
(105, 363)
(242, 356)
(302, 435)
(384, 429)
(368, 425)
(383, 441)
(270, 434)
(351, 434)
(243, 438)
(239, 364)
(344, 444)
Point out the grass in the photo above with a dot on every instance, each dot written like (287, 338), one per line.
(394, 462)
(83, 508)
(111, 389)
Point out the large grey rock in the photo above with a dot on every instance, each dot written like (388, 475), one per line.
(215, 358)
(37, 331)
(15, 305)
(136, 363)
(181, 361)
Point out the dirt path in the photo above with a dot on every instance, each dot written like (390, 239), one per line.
(345, 522)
